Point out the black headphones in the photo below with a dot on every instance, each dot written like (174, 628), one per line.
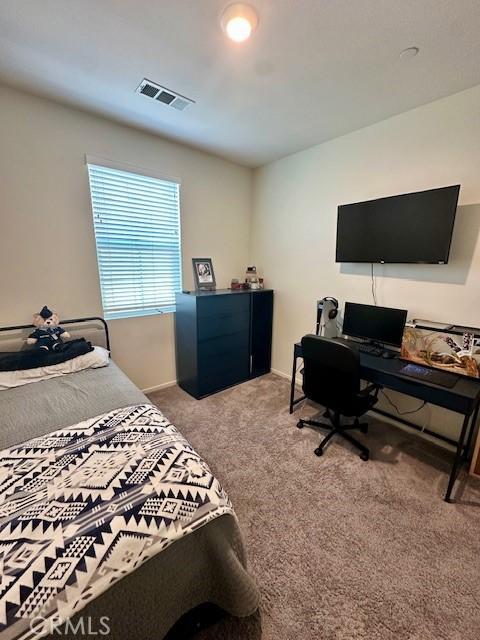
(333, 313)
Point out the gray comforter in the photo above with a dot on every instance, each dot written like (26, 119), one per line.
(85, 506)
(208, 565)
(36, 409)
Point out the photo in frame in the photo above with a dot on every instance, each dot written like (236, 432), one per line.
(203, 274)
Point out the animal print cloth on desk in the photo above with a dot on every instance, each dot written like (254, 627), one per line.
(84, 506)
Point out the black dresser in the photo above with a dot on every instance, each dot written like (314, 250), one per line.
(222, 338)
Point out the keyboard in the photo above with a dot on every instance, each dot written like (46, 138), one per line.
(425, 374)
(372, 350)
(368, 348)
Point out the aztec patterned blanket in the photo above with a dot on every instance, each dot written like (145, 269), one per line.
(84, 506)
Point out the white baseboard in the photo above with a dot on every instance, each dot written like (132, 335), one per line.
(157, 387)
(416, 432)
(287, 376)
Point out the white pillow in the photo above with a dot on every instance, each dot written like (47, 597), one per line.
(91, 360)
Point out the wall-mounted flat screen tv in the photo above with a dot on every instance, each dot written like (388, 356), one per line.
(413, 227)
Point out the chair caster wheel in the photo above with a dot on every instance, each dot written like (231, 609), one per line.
(318, 452)
(300, 424)
(364, 456)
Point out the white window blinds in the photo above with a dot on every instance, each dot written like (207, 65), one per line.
(137, 231)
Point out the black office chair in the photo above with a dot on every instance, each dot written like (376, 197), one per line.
(331, 378)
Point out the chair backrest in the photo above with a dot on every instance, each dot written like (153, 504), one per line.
(331, 371)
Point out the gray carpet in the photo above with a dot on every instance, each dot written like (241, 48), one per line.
(341, 549)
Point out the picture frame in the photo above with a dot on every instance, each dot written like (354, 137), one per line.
(203, 274)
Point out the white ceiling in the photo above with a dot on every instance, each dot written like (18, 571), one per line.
(314, 70)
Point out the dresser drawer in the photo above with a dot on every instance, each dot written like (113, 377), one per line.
(239, 368)
(209, 327)
(230, 304)
(232, 346)
(223, 361)
(223, 375)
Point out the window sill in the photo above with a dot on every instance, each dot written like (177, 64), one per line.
(139, 313)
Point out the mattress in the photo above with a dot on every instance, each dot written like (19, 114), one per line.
(85, 506)
(36, 409)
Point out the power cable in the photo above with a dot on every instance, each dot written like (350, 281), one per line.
(374, 286)
(401, 413)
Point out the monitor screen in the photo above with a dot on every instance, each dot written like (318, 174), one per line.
(380, 324)
(413, 227)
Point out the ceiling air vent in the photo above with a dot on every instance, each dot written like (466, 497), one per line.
(163, 95)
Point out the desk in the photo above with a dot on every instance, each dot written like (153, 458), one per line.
(463, 398)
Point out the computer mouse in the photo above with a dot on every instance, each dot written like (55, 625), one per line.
(388, 354)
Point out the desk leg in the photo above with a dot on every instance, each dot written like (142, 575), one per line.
(471, 431)
(457, 461)
(292, 386)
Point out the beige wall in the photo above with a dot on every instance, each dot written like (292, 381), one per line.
(47, 246)
(294, 223)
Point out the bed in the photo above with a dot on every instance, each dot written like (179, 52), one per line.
(195, 553)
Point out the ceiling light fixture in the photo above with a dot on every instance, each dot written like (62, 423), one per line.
(409, 53)
(239, 21)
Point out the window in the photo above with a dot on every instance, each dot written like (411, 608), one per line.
(137, 231)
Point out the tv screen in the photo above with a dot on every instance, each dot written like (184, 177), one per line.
(413, 227)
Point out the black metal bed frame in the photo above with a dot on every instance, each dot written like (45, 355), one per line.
(71, 321)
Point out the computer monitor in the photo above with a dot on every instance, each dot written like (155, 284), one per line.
(378, 324)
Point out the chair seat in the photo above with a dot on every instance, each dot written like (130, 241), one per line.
(358, 406)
